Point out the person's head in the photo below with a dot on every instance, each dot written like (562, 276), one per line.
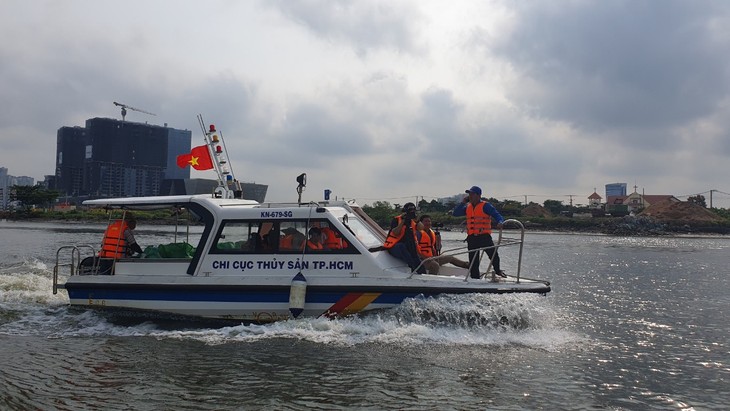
(426, 221)
(131, 221)
(475, 194)
(409, 209)
(289, 231)
(315, 233)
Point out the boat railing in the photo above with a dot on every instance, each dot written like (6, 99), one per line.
(73, 264)
(501, 242)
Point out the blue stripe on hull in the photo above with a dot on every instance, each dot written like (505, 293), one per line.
(255, 296)
(258, 293)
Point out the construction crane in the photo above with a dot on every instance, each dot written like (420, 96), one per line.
(125, 107)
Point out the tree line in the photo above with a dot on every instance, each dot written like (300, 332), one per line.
(28, 197)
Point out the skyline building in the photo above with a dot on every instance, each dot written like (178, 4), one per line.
(615, 189)
(113, 158)
(4, 188)
(7, 182)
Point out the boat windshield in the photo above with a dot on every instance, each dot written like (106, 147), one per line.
(363, 233)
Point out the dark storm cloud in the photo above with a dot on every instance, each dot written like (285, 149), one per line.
(620, 64)
(367, 25)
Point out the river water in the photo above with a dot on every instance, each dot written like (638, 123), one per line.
(631, 323)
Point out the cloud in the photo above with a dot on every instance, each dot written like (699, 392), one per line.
(389, 99)
(619, 65)
(367, 26)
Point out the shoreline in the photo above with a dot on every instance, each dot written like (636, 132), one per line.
(622, 226)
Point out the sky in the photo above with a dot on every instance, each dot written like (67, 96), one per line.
(390, 100)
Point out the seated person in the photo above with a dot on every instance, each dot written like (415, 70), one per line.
(292, 239)
(315, 240)
(402, 239)
(132, 246)
(429, 245)
(254, 242)
(332, 239)
(119, 240)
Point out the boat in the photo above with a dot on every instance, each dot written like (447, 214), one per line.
(234, 259)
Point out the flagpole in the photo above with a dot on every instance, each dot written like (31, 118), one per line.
(219, 157)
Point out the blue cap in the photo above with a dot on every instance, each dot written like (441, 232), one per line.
(475, 190)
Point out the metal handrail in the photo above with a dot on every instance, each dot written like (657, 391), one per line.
(521, 242)
(500, 239)
(73, 265)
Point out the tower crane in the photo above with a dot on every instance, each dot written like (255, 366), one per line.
(125, 107)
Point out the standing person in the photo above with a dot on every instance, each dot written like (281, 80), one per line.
(402, 242)
(479, 215)
(429, 245)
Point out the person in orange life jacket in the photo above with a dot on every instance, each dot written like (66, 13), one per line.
(119, 240)
(332, 239)
(315, 240)
(429, 245)
(479, 215)
(402, 240)
(292, 239)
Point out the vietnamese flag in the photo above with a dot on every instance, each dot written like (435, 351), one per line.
(199, 158)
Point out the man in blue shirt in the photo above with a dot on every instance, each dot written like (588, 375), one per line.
(479, 215)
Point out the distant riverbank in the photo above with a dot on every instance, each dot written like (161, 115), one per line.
(625, 226)
(629, 225)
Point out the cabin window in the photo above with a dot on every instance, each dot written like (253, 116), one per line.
(240, 237)
(280, 237)
(363, 233)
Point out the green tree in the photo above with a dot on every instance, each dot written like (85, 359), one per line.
(554, 206)
(381, 211)
(699, 199)
(510, 208)
(30, 196)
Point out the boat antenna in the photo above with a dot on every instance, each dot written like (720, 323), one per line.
(228, 185)
(302, 180)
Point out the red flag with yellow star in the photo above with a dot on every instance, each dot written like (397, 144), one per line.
(199, 158)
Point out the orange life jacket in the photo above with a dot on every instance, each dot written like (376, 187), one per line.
(426, 243)
(393, 238)
(477, 221)
(287, 242)
(114, 244)
(333, 241)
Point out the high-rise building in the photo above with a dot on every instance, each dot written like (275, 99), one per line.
(70, 144)
(615, 189)
(4, 186)
(112, 158)
(21, 181)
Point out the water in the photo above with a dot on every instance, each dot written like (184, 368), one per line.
(632, 323)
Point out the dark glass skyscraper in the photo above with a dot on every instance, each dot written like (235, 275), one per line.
(112, 158)
(70, 143)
